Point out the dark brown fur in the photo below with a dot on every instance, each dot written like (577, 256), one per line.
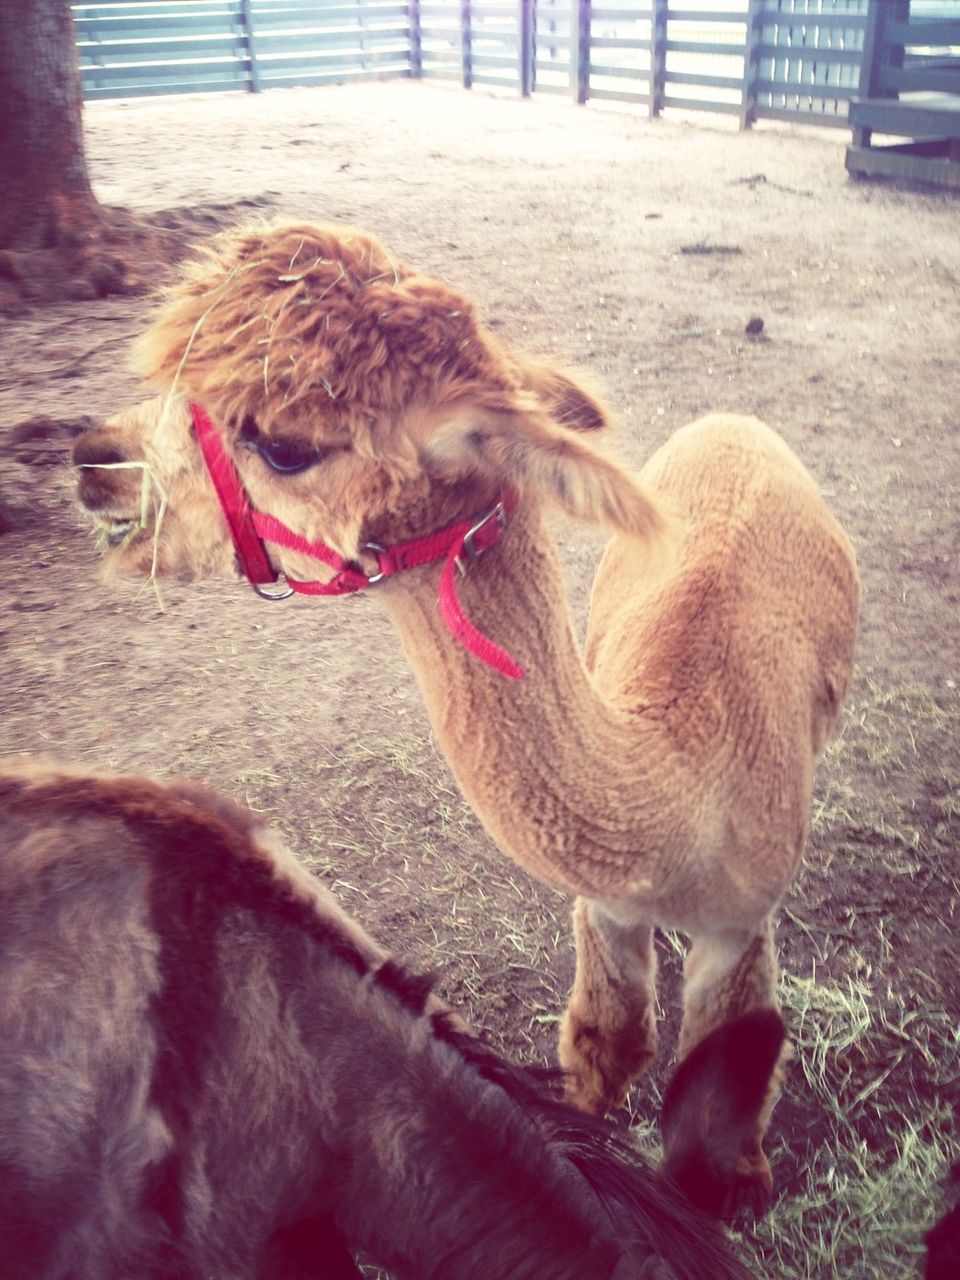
(943, 1239)
(710, 1108)
(207, 1071)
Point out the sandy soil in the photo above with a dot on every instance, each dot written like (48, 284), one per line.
(639, 250)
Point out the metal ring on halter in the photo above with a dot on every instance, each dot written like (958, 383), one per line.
(470, 548)
(284, 593)
(378, 551)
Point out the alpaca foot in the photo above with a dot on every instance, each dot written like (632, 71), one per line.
(600, 1068)
(715, 1111)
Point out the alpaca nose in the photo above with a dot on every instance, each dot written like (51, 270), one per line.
(100, 488)
(92, 450)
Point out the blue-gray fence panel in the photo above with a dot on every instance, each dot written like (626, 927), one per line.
(190, 46)
(300, 42)
(792, 59)
(704, 57)
(809, 54)
(620, 53)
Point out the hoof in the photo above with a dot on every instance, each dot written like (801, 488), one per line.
(599, 1072)
(588, 1087)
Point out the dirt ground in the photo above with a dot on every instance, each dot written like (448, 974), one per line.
(639, 250)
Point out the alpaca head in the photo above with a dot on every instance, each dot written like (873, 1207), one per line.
(360, 402)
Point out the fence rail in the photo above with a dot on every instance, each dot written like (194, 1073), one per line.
(756, 59)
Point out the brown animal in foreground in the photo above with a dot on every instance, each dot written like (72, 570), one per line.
(664, 776)
(208, 1071)
(943, 1239)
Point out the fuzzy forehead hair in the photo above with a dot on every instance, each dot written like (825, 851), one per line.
(319, 320)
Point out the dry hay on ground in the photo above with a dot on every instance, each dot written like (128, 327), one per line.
(118, 254)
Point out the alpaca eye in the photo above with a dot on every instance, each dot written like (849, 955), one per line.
(287, 457)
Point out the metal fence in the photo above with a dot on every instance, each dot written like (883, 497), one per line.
(781, 59)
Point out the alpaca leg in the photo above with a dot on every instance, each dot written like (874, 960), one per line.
(731, 1045)
(609, 1031)
(726, 974)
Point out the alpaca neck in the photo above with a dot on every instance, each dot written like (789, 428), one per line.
(564, 781)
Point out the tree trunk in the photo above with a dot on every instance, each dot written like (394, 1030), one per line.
(6, 517)
(47, 197)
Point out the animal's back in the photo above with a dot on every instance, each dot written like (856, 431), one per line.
(122, 904)
(761, 586)
(78, 968)
(197, 1050)
(740, 641)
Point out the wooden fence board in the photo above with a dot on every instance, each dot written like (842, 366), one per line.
(347, 75)
(615, 95)
(703, 104)
(96, 93)
(183, 51)
(327, 17)
(706, 82)
(162, 9)
(156, 28)
(920, 79)
(708, 15)
(821, 54)
(268, 47)
(499, 82)
(628, 73)
(809, 20)
(167, 73)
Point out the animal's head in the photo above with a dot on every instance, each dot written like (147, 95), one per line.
(716, 1103)
(359, 401)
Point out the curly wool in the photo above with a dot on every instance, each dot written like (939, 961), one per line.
(318, 323)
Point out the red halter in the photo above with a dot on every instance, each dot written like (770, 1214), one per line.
(456, 544)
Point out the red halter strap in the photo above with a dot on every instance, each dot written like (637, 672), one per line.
(251, 552)
(457, 543)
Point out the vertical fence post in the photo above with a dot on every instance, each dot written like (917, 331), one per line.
(658, 54)
(416, 40)
(92, 28)
(528, 64)
(751, 64)
(580, 50)
(466, 45)
(246, 26)
(871, 61)
(892, 55)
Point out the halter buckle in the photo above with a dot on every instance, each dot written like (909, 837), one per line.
(470, 550)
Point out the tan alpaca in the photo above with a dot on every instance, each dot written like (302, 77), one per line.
(663, 777)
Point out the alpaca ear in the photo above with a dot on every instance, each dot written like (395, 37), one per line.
(525, 450)
(567, 401)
